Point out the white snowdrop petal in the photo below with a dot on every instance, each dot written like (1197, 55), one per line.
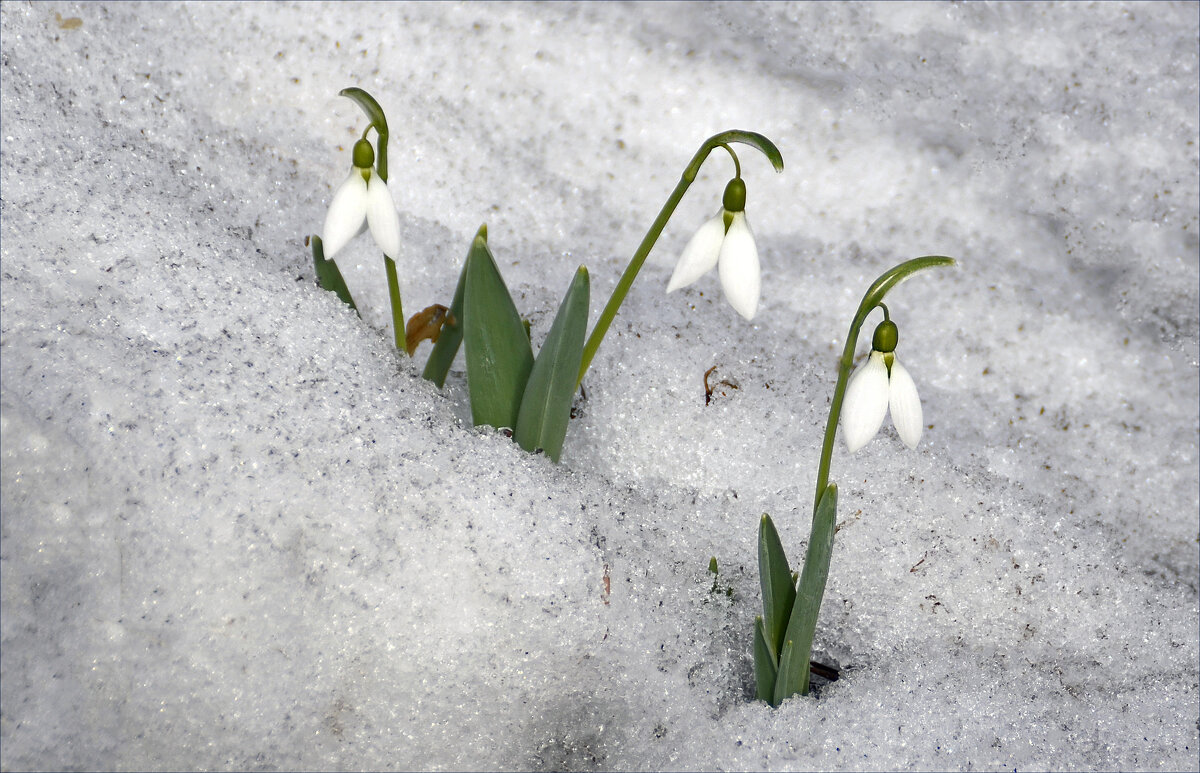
(345, 215)
(905, 405)
(700, 254)
(382, 217)
(739, 269)
(866, 402)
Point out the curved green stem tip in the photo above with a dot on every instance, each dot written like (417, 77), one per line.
(753, 139)
(378, 120)
(894, 276)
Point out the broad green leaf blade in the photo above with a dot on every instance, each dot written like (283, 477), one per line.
(786, 676)
(499, 356)
(328, 275)
(765, 670)
(778, 588)
(444, 351)
(546, 404)
(803, 622)
(378, 120)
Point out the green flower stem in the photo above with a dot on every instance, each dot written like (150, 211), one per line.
(635, 264)
(737, 166)
(872, 298)
(397, 307)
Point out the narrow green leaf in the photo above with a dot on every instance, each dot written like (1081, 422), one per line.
(328, 275)
(786, 675)
(546, 404)
(499, 356)
(378, 120)
(778, 587)
(765, 664)
(803, 622)
(444, 351)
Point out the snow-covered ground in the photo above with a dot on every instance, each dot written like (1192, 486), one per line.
(240, 531)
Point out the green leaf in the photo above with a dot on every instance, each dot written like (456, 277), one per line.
(765, 664)
(499, 356)
(378, 120)
(546, 404)
(444, 351)
(328, 275)
(778, 587)
(786, 676)
(803, 622)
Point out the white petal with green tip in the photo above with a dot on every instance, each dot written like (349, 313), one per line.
(866, 402)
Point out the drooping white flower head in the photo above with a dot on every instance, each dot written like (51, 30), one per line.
(725, 241)
(362, 201)
(881, 385)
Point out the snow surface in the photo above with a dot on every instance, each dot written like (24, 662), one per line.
(240, 531)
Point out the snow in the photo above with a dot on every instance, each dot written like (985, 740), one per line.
(240, 531)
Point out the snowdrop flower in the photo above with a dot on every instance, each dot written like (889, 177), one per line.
(881, 384)
(727, 242)
(362, 201)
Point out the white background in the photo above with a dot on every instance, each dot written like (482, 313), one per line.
(239, 531)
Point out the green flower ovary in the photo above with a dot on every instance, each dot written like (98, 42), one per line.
(735, 196)
(364, 154)
(885, 338)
